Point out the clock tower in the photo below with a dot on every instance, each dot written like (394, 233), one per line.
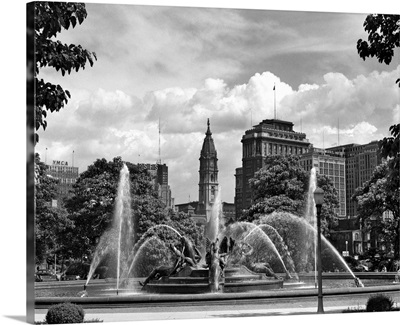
(208, 175)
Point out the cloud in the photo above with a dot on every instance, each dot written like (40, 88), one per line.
(109, 123)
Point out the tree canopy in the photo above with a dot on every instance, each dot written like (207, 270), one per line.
(93, 203)
(49, 20)
(381, 192)
(383, 37)
(376, 196)
(281, 185)
(51, 223)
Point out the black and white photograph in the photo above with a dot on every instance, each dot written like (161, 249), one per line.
(199, 162)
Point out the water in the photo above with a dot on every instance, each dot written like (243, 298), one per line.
(270, 244)
(143, 241)
(311, 212)
(284, 249)
(292, 219)
(214, 218)
(120, 238)
(123, 221)
(153, 243)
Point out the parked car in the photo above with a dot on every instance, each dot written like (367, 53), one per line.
(45, 275)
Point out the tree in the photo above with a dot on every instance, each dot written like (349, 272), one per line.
(383, 37)
(51, 223)
(92, 205)
(152, 250)
(49, 19)
(281, 185)
(329, 218)
(389, 149)
(375, 197)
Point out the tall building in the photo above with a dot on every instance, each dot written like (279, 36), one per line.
(208, 174)
(208, 185)
(360, 163)
(159, 173)
(331, 164)
(268, 138)
(65, 175)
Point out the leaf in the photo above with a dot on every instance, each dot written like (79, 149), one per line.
(73, 21)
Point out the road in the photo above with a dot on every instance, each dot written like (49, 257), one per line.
(206, 309)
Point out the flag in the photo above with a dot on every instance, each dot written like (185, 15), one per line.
(274, 87)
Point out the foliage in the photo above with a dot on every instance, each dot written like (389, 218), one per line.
(329, 218)
(92, 205)
(78, 268)
(152, 249)
(65, 313)
(389, 149)
(379, 302)
(92, 209)
(281, 185)
(294, 232)
(50, 18)
(50, 223)
(374, 198)
(383, 37)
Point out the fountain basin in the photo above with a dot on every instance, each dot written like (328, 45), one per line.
(196, 281)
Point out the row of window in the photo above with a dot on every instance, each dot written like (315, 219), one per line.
(64, 169)
(67, 180)
(264, 149)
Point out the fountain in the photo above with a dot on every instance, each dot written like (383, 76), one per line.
(225, 266)
(212, 272)
(120, 238)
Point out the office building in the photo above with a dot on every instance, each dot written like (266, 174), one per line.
(65, 175)
(270, 137)
(331, 164)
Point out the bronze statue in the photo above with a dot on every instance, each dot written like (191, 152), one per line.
(164, 270)
(190, 251)
(214, 270)
(264, 268)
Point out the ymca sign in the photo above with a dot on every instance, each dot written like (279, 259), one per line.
(60, 163)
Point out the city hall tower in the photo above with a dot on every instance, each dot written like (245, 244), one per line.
(208, 174)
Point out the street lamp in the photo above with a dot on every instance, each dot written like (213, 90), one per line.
(319, 200)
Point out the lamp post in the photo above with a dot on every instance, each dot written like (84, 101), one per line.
(319, 200)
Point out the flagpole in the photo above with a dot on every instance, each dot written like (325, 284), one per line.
(274, 102)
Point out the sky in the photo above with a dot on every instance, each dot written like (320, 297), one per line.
(189, 72)
(162, 71)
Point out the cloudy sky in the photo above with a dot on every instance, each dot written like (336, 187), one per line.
(182, 65)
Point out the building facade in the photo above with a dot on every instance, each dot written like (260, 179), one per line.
(208, 186)
(159, 174)
(65, 175)
(360, 163)
(208, 174)
(332, 165)
(270, 137)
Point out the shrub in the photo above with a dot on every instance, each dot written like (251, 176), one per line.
(81, 269)
(101, 271)
(65, 313)
(379, 302)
